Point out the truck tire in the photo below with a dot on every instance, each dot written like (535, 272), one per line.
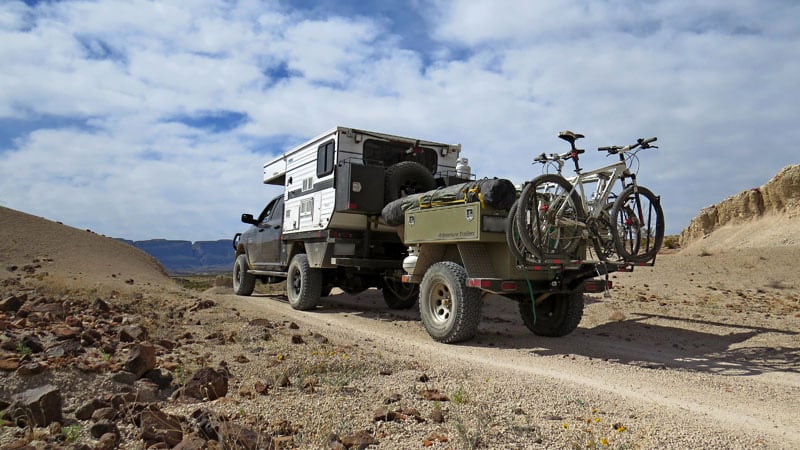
(243, 283)
(450, 310)
(406, 178)
(558, 315)
(303, 283)
(399, 295)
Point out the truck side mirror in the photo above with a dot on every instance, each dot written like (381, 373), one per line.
(248, 218)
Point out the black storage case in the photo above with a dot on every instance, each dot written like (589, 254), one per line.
(359, 188)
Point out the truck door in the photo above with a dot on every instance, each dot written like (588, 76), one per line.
(267, 245)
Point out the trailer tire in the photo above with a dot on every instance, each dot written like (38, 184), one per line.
(558, 315)
(399, 295)
(303, 283)
(450, 310)
(243, 283)
(406, 178)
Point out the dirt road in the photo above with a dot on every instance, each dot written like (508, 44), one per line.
(687, 376)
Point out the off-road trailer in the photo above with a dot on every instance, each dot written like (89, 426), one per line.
(457, 265)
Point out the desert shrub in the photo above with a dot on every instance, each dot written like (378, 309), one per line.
(672, 241)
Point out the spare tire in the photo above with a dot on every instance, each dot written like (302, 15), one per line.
(406, 178)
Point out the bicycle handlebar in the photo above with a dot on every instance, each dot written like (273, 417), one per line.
(641, 142)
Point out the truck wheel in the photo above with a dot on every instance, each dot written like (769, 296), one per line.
(399, 295)
(406, 178)
(303, 284)
(450, 310)
(558, 315)
(243, 283)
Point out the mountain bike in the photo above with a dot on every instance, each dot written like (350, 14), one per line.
(554, 217)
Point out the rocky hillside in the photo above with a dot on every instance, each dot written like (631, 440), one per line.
(777, 200)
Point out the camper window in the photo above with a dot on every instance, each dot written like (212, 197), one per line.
(384, 153)
(325, 159)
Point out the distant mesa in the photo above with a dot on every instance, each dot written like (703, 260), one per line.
(186, 257)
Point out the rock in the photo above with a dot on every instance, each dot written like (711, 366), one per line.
(434, 395)
(84, 412)
(283, 381)
(108, 441)
(146, 391)
(108, 414)
(191, 442)
(437, 415)
(261, 387)
(240, 437)
(202, 304)
(158, 426)
(320, 339)
(9, 363)
(384, 414)
(297, 339)
(13, 303)
(71, 347)
(103, 427)
(90, 337)
(412, 412)
(100, 305)
(261, 323)
(359, 440)
(124, 377)
(206, 384)
(38, 407)
(63, 332)
(162, 378)
(31, 368)
(33, 343)
(132, 333)
(142, 358)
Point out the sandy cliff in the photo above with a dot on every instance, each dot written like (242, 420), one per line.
(763, 216)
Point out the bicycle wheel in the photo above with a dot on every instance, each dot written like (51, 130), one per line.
(515, 245)
(550, 218)
(637, 224)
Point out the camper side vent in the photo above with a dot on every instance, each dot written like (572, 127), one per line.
(308, 184)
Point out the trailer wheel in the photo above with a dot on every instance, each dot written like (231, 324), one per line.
(406, 178)
(303, 284)
(399, 295)
(558, 315)
(243, 283)
(450, 310)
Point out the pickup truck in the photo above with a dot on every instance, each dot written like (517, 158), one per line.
(324, 230)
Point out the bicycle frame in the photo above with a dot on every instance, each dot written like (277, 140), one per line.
(605, 177)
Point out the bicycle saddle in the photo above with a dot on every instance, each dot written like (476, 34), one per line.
(569, 136)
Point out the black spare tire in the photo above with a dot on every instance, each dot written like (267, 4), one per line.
(406, 178)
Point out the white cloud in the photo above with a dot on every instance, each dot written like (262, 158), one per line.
(716, 81)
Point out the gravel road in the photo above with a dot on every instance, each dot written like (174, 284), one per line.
(672, 375)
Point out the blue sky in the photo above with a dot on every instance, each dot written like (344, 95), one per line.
(143, 119)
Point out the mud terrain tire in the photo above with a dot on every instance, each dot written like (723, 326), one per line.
(450, 310)
(303, 283)
(243, 283)
(558, 315)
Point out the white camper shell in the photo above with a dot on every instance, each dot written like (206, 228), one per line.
(338, 179)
